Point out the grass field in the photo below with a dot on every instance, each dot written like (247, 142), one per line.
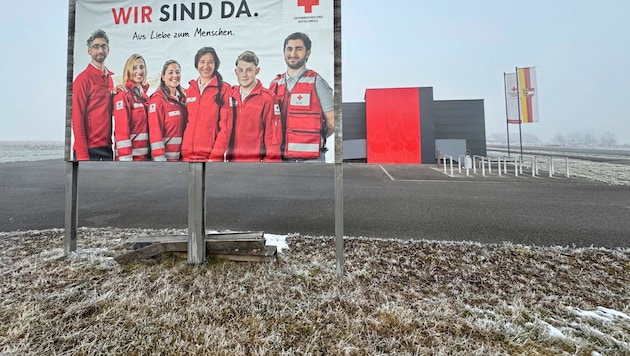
(397, 297)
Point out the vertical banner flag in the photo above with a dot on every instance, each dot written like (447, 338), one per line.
(511, 98)
(165, 31)
(528, 98)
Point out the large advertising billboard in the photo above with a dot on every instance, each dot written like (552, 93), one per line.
(202, 81)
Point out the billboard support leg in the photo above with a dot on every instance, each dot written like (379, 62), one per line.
(72, 212)
(196, 212)
(339, 243)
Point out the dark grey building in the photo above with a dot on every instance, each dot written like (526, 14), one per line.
(442, 122)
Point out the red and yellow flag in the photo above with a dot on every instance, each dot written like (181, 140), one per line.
(528, 96)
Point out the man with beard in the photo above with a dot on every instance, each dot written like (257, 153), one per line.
(306, 103)
(257, 131)
(91, 104)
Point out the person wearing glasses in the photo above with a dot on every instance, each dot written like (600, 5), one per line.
(92, 104)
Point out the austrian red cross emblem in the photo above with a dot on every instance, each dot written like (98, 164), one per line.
(308, 5)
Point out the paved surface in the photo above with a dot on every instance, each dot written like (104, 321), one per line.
(389, 201)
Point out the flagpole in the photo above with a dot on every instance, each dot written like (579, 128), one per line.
(507, 123)
(520, 118)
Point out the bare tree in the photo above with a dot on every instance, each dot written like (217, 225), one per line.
(559, 139)
(608, 139)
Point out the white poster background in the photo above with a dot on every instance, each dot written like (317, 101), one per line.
(168, 31)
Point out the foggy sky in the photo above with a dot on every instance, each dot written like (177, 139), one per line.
(460, 48)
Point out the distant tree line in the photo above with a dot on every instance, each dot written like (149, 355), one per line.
(585, 138)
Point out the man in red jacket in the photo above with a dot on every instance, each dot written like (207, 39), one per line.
(257, 130)
(306, 103)
(91, 104)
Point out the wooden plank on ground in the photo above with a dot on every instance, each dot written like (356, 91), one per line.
(230, 236)
(234, 249)
(215, 243)
(268, 255)
(235, 246)
(141, 253)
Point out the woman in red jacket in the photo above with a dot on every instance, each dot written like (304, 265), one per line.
(131, 131)
(167, 115)
(210, 115)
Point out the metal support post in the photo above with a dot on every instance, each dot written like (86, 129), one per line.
(499, 165)
(72, 211)
(339, 243)
(196, 212)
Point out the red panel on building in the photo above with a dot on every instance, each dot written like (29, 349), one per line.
(393, 125)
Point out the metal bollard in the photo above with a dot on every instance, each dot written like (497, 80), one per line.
(499, 165)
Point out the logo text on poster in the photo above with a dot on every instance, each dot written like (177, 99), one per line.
(181, 12)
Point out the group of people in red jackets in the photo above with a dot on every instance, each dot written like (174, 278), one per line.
(210, 120)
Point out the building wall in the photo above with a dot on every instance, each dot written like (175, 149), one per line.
(427, 124)
(354, 136)
(353, 121)
(438, 119)
(393, 125)
(461, 119)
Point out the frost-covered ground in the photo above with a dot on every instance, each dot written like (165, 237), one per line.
(607, 172)
(397, 297)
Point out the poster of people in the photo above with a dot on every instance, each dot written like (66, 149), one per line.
(203, 81)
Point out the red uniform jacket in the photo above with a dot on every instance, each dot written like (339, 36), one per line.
(209, 126)
(167, 118)
(91, 110)
(257, 132)
(131, 127)
(302, 117)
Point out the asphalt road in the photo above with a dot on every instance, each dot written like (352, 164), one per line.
(389, 201)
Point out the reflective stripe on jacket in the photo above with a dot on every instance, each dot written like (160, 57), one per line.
(302, 117)
(131, 127)
(167, 118)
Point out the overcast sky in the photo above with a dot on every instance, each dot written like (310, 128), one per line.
(460, 48)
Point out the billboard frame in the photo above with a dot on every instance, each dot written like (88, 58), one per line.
(197, 170)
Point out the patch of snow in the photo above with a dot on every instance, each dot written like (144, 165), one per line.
(603, 314)
(552, 330)
(280, 241)
(612, 313)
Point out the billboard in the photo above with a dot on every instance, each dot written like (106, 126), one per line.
(160, 81)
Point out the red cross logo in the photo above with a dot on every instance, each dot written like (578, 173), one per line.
(308, 5)
(513, 89)
(299, 97)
